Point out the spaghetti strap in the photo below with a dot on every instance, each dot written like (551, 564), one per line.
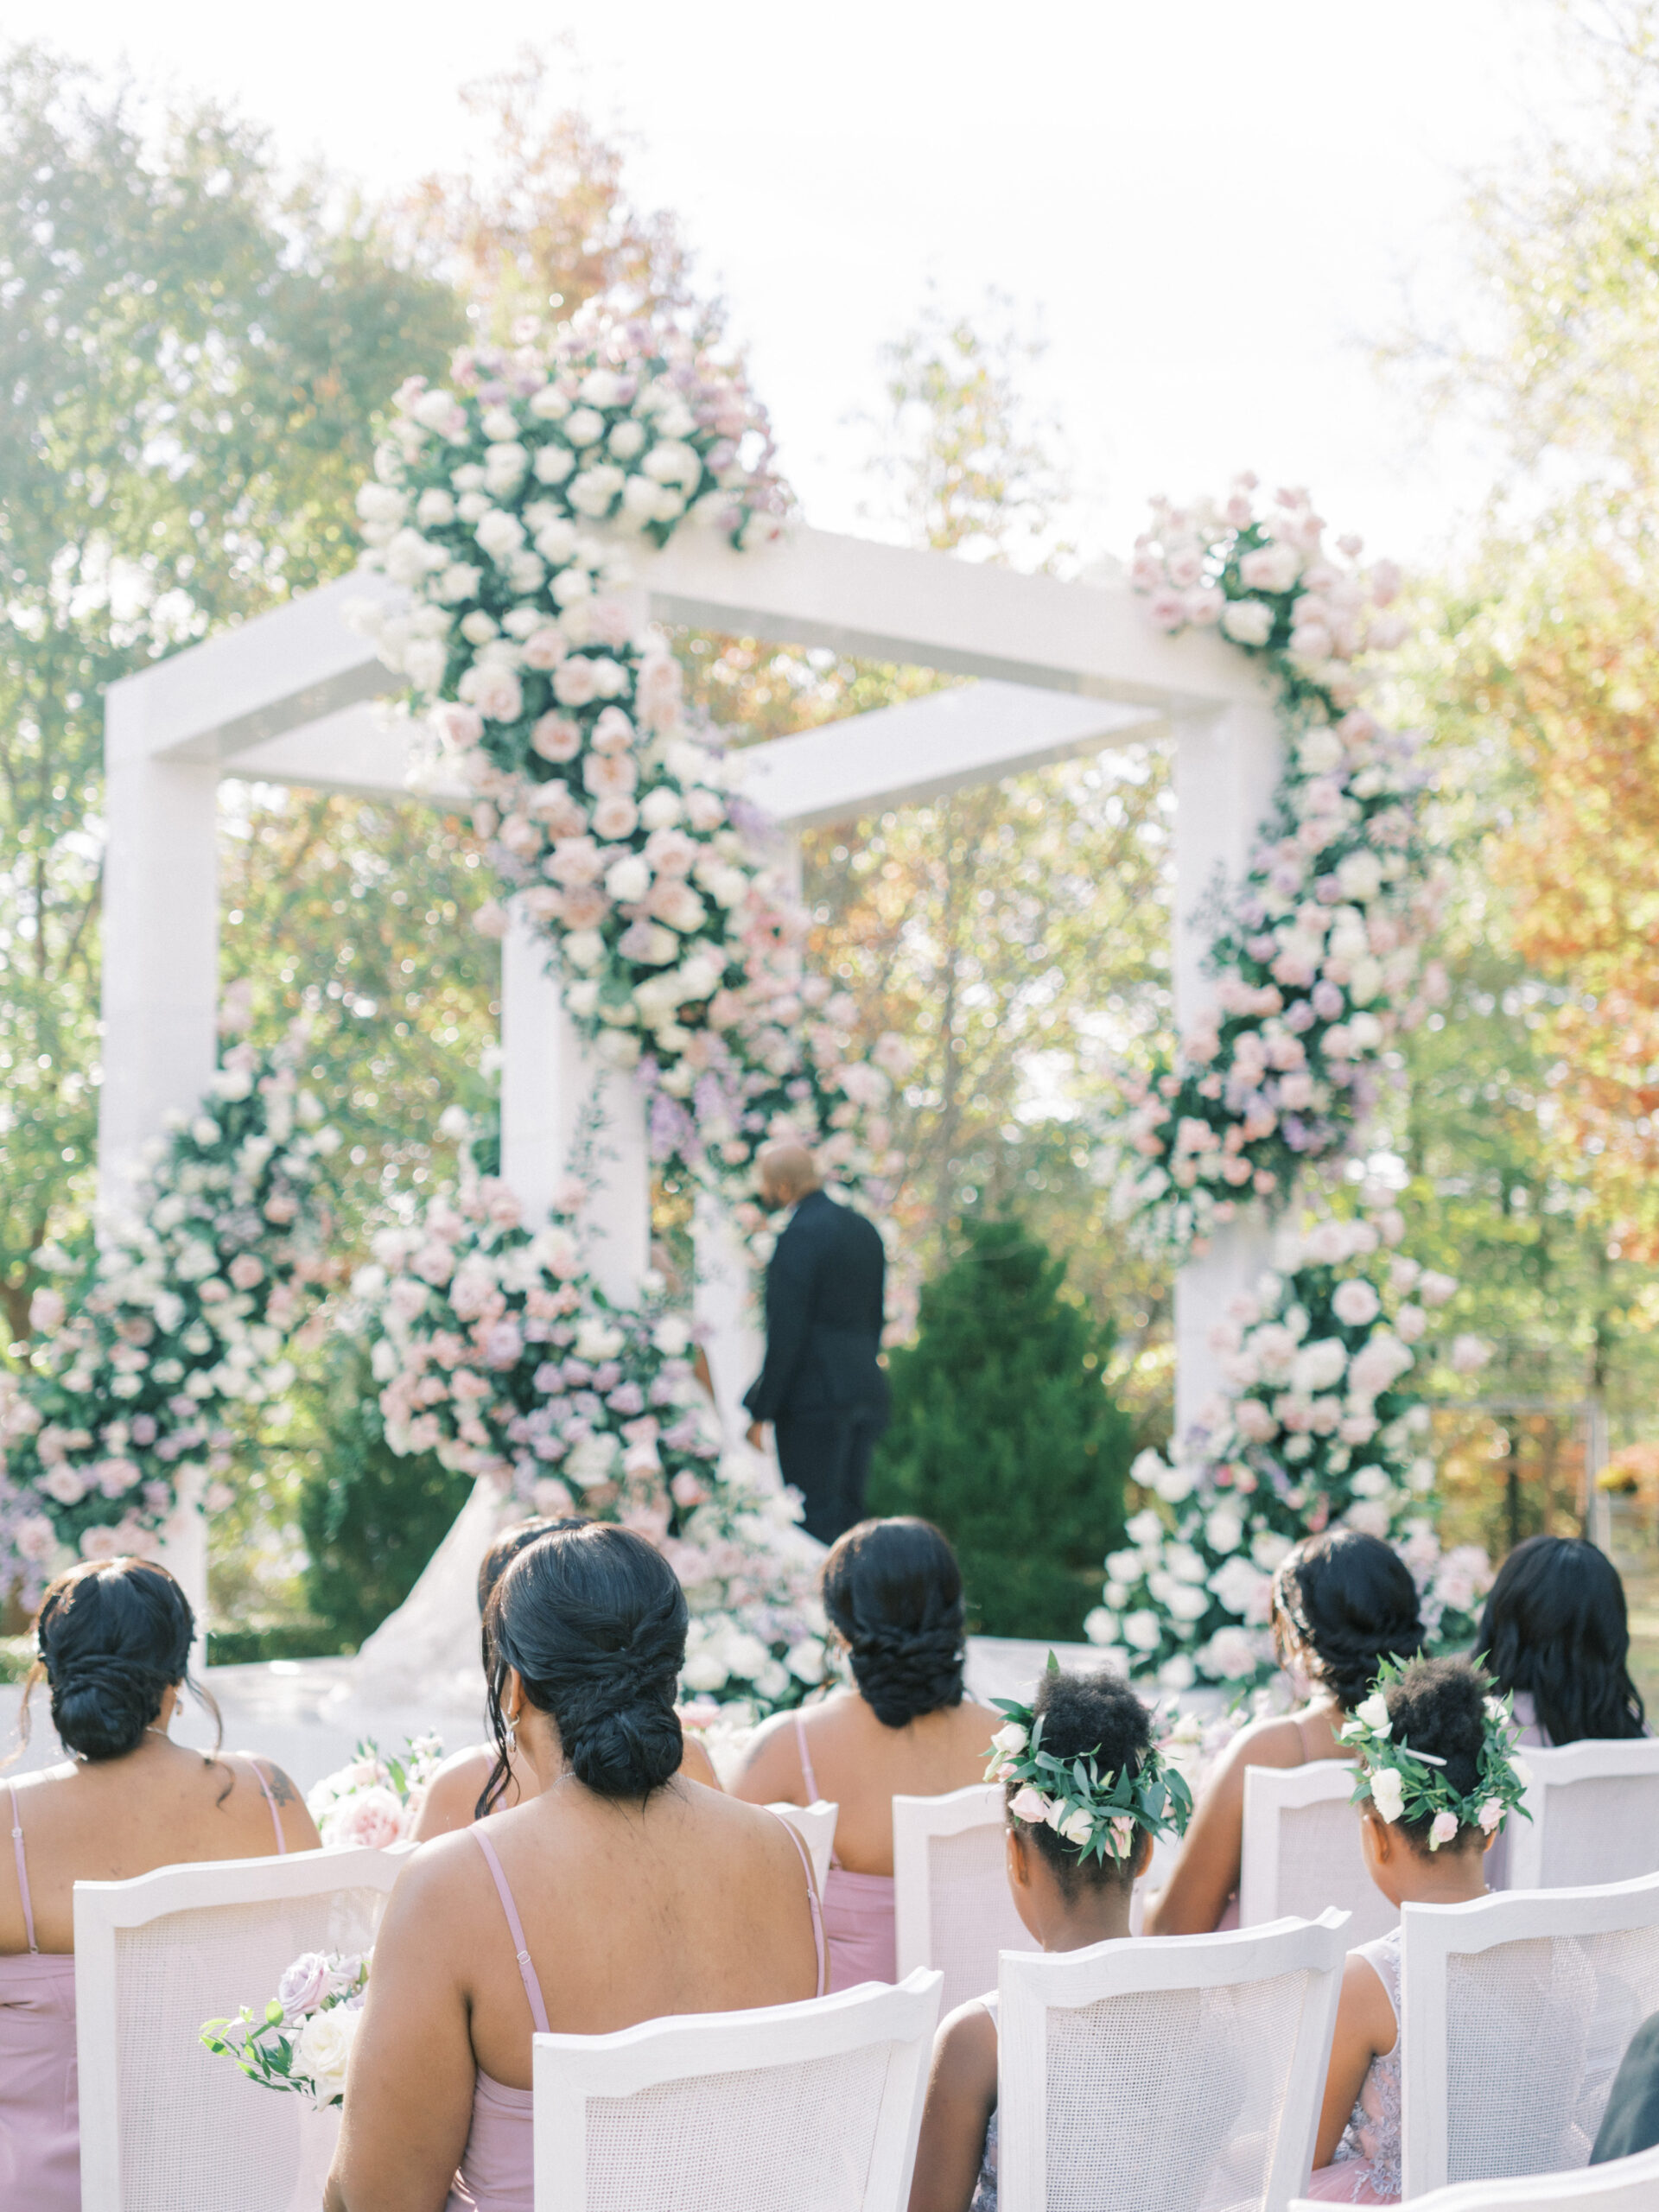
(515, 1928)
(276, 1817)
(812, 1899)
(23, 1871)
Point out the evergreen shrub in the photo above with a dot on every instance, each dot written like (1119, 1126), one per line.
(1005, 1434)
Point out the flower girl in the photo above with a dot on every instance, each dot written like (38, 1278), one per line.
(1436, 1778)
(1087, 1792)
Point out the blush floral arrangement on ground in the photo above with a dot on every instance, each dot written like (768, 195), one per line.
(504, 505)
(146, 1355)
(302, 2042)
(1315, 1427)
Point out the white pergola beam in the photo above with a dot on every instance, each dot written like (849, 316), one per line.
(898, 756)
(301, 661)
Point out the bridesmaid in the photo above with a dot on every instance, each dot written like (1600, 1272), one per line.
(114, 1643)
(1342, 1604)
(620, 1892)
(892, 1592)
(468, 1783)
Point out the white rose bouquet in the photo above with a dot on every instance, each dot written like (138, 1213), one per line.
(302, 2041)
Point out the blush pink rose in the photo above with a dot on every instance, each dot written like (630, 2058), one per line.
(372, 1820)
(555, 737)
(1029, 1804)
(615, 817)
(613, 732)
(545, 648)
(574, 684)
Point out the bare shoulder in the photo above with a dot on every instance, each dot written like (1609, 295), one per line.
(1364, 2003)
(771, 1764)
(472, 1759)
(964, 2052)
(283, 1789)
(1275, 1740)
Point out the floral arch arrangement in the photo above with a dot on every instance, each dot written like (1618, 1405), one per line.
(505, 503)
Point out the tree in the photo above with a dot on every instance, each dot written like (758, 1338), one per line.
(1004, 1433)
(192, 358)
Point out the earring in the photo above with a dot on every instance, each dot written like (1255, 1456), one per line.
(512, 1733)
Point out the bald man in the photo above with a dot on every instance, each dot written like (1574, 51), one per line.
(822, 1387)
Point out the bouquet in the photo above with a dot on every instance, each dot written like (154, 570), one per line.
(377, 1799)
(303, 2040)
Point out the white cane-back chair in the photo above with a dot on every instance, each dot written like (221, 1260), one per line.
(1622, 2185)
(1165, 2073)
(1514, 2012)
(816, 1826)
(164, 2126)
(1595, 1815)
(1302, 1850)
(809, 2108)
(952, 1906)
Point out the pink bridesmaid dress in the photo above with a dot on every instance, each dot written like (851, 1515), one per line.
(39, 2102)
(857, 1908)
(498, 2172)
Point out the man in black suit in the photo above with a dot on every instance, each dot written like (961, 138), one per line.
(821, 1387)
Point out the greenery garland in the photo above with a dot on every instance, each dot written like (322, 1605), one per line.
(183, 1317)
(1411, 1786)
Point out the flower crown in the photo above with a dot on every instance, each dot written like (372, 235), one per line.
(1408, 1785)
(1098, 1814)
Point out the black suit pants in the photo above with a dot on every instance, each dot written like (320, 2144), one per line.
(827, 1458)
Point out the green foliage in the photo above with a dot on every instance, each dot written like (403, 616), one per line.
(1004, 1433)
(191, 358)
(371, 1520)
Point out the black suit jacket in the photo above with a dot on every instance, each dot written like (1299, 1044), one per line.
(825, 1288)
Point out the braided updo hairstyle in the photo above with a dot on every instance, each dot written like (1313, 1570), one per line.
(892, 1591)
(593, 1621)
(113, 1637)
(1351, 1603)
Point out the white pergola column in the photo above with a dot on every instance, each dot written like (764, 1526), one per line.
(1227, 765)
(160, 999)
(548, 1075)
(726, 1310)
(160, 945)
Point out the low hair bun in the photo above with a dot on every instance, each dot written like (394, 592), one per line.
(113, 1638)
(892, 1591)
(593, 1621)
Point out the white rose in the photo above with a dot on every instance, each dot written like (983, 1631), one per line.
(1077, 1827)
(592, 1459)
(583, 948)
(499, 422)
(1010, 1739)
(593, 492)
(671, 462)
(626, 440)
(628, 879)
(1389, 1792)
(499, 534)
(1373, 1713)
(1247, 622)
(1143, 1630)
(602, 388)
(324, 2047)
(553, 464)
(584, 427)
(549, 404)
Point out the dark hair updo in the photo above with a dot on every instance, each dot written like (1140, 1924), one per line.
(113, 1636)
(1438, 1705)
(892, 1590)
(1085, 1715)
(593, 1621)
(1352, 1604)
(1555, 1628)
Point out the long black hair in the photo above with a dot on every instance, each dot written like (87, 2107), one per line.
(593, 1621)
(113, 1636)
(1554, 1627)
(892, 1589)
(493, 1565)
(1352, 1604)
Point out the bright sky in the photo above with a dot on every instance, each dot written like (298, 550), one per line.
(1211, 208)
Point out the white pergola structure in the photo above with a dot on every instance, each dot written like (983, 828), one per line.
(291, 697)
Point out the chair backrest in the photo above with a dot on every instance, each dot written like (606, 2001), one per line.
(816, 1826)
(1622, 2185)
(1172, 2074)
(815, 2106)
(1514, 2012)
(164, 2126)
(1302, 1850)
(952, 1906)
(1595, 1815)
